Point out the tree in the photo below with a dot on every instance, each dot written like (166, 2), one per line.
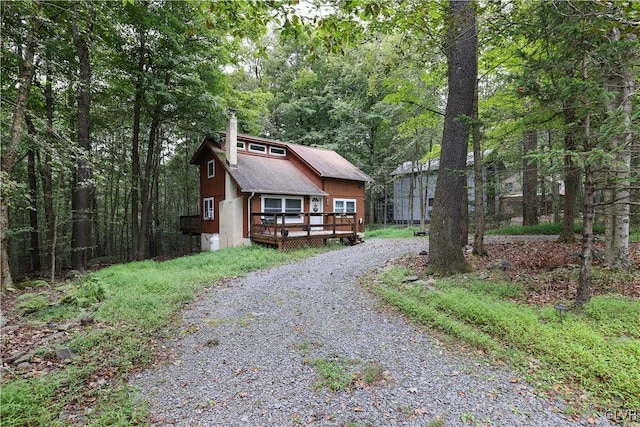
(81, 200)
(574, 70)
(529, 179)
(445, 251)
(620, 86)
(478, 180)
(28, 48)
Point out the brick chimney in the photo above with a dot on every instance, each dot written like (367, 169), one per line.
(232, 139)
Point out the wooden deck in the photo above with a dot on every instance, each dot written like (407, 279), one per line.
(288, 231)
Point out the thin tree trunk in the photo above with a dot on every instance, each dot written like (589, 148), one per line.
(617, 193)
(10, 151)
(54, 233)
(34, 250)
(571, 178)
(135, 151)
(529, 180)
(45, 166)
(464, 215)
(411, 194)
(422, 195)
(147, 178)
(81, 200)
(583, 294)
(478, 179)
(372, 159)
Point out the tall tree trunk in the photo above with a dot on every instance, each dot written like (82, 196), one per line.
(571, 180)
(34, 250)
(478, 180)
(135, 151)
(374, 193)
(412, 187)
(583, 294)
(617, 193)
(147, 177)
(81, 198)
(422, 195)
(445, 251)
(529, 180)
(46, 175)
(464, 215)
(10, 151)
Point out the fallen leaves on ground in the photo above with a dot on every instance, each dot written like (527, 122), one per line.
(548, 270)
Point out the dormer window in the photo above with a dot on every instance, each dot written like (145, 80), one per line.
(258, 148)
(277, 151)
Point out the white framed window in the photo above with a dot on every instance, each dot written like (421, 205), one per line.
(240, 145)
(277, 151)
(271, 205)
(280, 204)
(207, 208)
(211, 168)
(258, 148)
(344, 205)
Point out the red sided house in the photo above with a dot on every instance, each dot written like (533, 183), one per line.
(260, 190)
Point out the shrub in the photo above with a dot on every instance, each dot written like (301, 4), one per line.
(30, 303)
(87, 291)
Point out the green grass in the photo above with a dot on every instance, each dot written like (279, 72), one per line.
(340, 373)
(548, 228)
(336, 373)
(132, 305)
(596, 349)
(391, 232)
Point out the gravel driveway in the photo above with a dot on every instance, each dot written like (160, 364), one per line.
(244, 357)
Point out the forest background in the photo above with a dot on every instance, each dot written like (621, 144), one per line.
(104, 103)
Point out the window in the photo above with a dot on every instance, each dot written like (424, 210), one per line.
(430, 202)
(207, 208)
(211, 168)
(344, 206)
(272, 205)
(240, 145)
(293, 205)
(277, 151)
(258, 148)
(277, 204)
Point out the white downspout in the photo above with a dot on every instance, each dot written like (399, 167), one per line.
(249, 213)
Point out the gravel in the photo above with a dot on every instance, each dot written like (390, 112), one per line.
(245, 357)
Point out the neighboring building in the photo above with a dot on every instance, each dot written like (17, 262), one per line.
(260, 190)
(411, 178)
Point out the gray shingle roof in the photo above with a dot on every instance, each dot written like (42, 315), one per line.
(260, 174)
(271, 175)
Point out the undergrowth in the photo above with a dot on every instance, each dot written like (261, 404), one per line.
(131, 304)
(546, 228)
(595, 349)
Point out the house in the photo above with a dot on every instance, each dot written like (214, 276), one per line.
(413, 179)
(261, 190)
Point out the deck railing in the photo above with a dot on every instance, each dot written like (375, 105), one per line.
(303, 223)
(288, 229)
